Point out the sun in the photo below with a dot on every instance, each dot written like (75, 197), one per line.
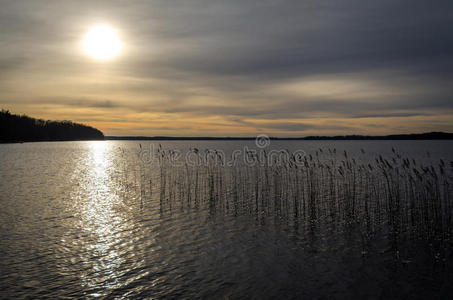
(101, 42)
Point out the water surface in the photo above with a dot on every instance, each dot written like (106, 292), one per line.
(76, 220)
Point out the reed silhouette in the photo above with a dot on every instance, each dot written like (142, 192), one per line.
(407, 202)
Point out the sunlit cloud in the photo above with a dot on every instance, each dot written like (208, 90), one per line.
(219, 68)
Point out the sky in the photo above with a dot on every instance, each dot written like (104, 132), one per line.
(233, 67)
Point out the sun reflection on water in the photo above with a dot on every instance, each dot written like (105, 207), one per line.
(101, 218)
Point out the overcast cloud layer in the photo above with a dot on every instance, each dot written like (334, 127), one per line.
(217, 67)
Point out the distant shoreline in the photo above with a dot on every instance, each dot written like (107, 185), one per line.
(49, 141)
(393, 137)
(22, 128)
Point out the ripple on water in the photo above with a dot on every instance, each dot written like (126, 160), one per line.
(69, 228)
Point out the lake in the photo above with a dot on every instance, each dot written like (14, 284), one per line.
(273, 219)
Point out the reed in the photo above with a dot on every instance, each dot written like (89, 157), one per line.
(394, 195)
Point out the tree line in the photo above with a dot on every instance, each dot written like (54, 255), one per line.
(22, 128)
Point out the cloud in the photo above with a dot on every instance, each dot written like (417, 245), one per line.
(291, 126)
(284, 61)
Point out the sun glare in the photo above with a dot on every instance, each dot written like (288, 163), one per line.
(102, 42)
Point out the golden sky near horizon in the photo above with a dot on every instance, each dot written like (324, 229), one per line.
(237, 68)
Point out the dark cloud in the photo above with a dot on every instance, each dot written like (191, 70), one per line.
(236, 58)
(291, 126)
(89, 103)
(296, 38)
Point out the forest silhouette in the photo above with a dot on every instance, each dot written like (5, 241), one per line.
(22, 128)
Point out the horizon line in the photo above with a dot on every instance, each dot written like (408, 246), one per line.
(435, 135)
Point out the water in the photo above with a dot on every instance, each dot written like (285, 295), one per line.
(86, 219)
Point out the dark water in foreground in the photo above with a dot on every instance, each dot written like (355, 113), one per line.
(71, 228)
